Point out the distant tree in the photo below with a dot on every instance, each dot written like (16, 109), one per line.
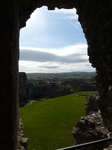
(41, 82)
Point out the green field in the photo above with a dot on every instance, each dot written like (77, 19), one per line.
(48, 123)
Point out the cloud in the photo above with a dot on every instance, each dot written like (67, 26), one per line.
(44, 48)
(65, 59)
(53, 67)
(48, 67)
(39, 56)
(71, 49)
(69, 13)
(52, 29)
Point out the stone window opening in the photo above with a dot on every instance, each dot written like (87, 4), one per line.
(96, 21)
(27, 91)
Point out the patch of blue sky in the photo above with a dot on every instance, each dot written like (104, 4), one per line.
(51, 30)
(51, 39)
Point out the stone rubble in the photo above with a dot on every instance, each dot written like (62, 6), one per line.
(91, 127)
(22, 141)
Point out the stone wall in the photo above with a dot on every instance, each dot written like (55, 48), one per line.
(28, 91)
(97, 27)
(91, 127)
(22, 142)
(22, 85)
(92, 104)
(85, 87)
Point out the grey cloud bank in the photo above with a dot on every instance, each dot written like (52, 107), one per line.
(37, 56)
(48, 67)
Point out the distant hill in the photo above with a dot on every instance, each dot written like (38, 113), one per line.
(61, 76)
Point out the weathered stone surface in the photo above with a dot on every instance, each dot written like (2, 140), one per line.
(22, 141)
(92, 104)
(90, 128)
(110, 145)
(97, 29)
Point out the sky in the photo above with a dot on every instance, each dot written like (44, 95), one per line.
(53, 42)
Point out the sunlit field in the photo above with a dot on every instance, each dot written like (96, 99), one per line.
(48, 123)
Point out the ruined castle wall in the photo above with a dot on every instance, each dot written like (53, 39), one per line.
(22, 85)
(96, 20)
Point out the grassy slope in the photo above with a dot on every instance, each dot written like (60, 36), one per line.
(48, 123)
